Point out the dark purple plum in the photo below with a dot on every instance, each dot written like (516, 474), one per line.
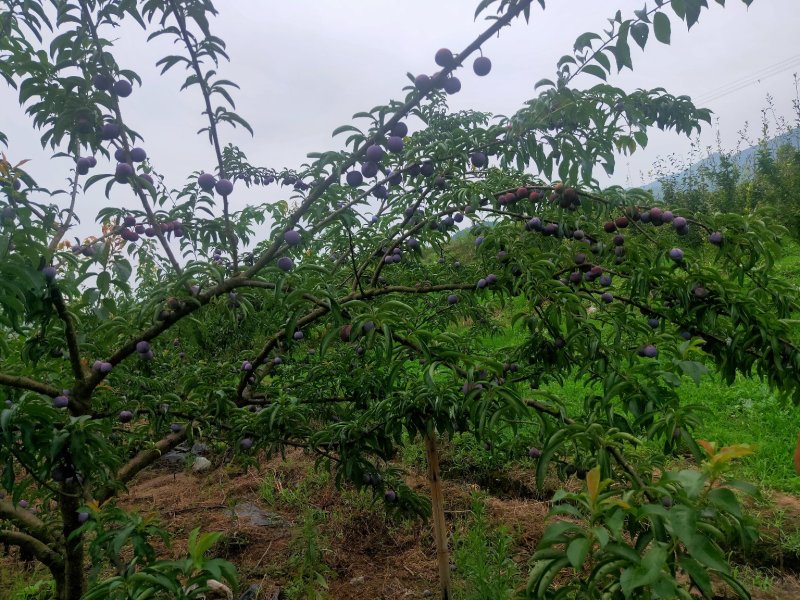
(667, 217)
(285, 263)
(83, 165)
(369, 169)
(422, 82)
(102, 82)
(83, 517)
(452, 299)
(109, 131)
(394, 143)
(715, 238)
(123, 172)
(605, 280)
(452, 85)
(60, 401)
(676, 254)
(621, 222)
(292, 237)
(354, 178)
(92, 161)
(246, 443)
(298, 335)
(482, 66)
(653, 322)
(224, 187)
(534, 452)
(440, 182)
(444, 58)
(380, 191)
(580, 258)
(138, 154)
(400, 129)
(277, 361)
(120, 155)
(395, 177)
(375, 153)
(247, 366)
(176, 428)
(142, 347)
(481, 283)
(550, 229)
(427, 169)
(122, 88)
(680, 223)
(390, 496)
(649, 351)
(106, 367)
(412, 243)
(478, 159)
(49, 273)
(479, 240)
(607, 297)
(125, 416)
(491, 278)
(206, 181)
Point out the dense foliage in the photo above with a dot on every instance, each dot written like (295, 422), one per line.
(343, 330)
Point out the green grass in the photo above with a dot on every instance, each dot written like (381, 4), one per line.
(482, 556)
(747, 412)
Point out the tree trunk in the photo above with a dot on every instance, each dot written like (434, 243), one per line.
(74, 584)
(437, 510)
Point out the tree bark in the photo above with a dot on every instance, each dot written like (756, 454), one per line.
(74, 575)
(437, 510)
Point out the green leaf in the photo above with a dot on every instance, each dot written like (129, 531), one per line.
(725, 500)
(661, 27)
(577, 551)
(594, 70)
(646, 573)
(639, 33)
(698, 575)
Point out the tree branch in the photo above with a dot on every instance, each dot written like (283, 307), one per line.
(141, 461)
(41, 551)
(69, 333)
(24, 383)
(25, 520)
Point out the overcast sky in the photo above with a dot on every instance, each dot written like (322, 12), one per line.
(305, 66)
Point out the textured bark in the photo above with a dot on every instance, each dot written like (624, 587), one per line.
(74, 571)
(437, 506)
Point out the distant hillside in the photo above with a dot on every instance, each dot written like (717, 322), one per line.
(745, 160)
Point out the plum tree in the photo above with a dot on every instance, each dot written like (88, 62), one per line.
(202, 262)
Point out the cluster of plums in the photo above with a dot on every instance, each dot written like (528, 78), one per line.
(207, 183)
(131, 231)
(144, 351)
(105, 83)
(451, 85)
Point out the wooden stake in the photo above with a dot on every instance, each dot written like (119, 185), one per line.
(437, 509)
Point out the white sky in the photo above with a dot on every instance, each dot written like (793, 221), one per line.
(306, 66)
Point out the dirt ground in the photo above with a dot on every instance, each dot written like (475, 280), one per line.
(366, 555)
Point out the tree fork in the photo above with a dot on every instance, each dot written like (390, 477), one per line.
(437, 511)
